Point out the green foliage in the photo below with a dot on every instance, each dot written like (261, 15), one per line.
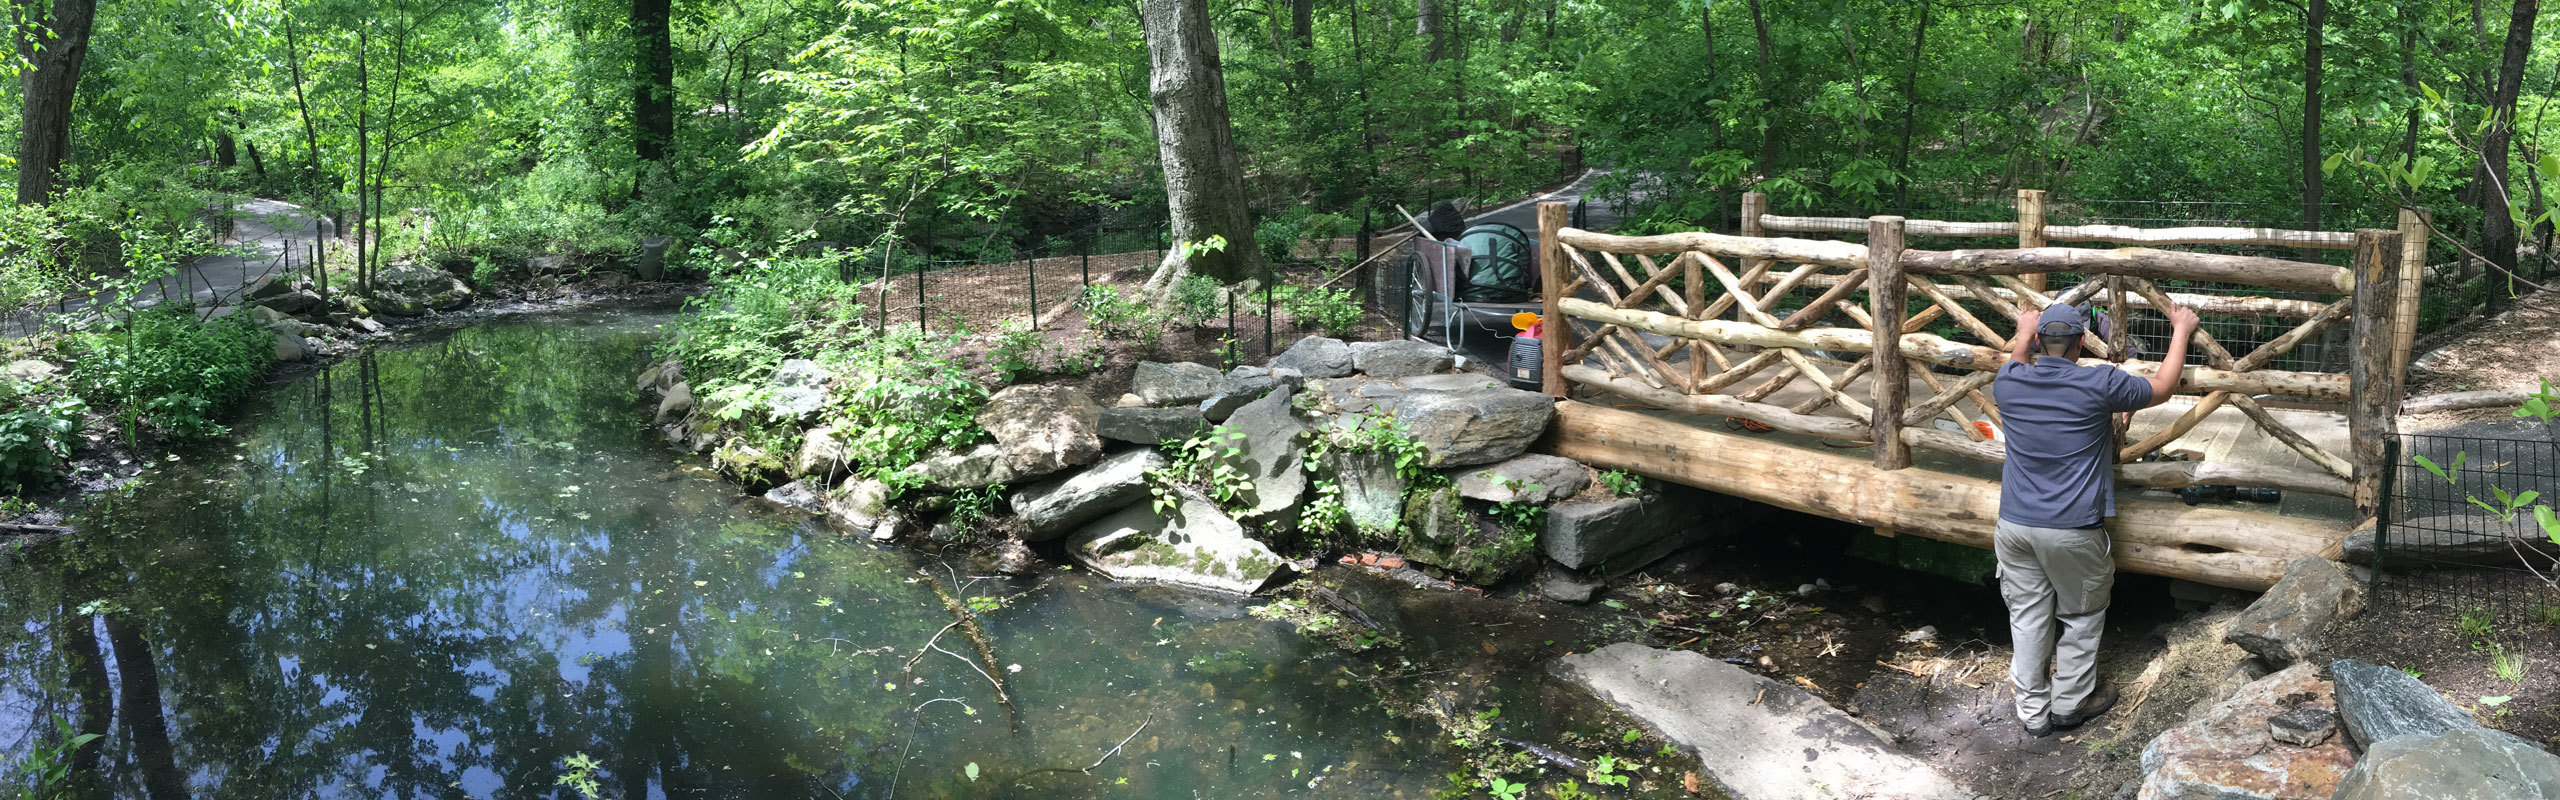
(1622, 483)
(1383, 434)
(2507, 664)
(2475, 623)
(1017, 350)
(1194, 300)
(580, 776)
(165, 368)
(1335, 310)
(1212, 461)
(1604, 771)
(971, 507)
(1325, 511)
(900, 397)
(43, 772)
(2541, 406)
(36, 438)
(1122, 319)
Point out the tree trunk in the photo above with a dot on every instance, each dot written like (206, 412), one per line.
(1910, 109)
(1426, 23)
(2409, 79)
(653, 93)
(146, 723)
(52, 42)
(1768, 165)
(1203, 179)
(1707, 31)
(2314, 18)
(226, 150)
(310, 130)
(2497, 229)
(257, 164)
(1302, 40)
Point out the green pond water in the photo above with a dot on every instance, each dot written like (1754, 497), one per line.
(446, 569)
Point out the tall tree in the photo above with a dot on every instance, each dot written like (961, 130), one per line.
(1768, 91)
(2497, 228)
(2315, 16)
(653, 93)
(1427, 24)
(52, 40)
(1203, 179)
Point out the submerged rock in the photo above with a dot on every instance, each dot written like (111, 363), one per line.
(677, 403)
(1054, 508)
(1755, 738)
(2292, 621)
(2465, 763)
(2228, 753)
(1196, 546)
(1043, 429)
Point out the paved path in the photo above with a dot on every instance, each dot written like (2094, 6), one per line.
(262, 231)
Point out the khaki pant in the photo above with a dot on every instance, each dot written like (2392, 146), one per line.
(2054, 578)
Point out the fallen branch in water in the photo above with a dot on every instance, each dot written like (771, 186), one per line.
(968, 622)
(1124, 742)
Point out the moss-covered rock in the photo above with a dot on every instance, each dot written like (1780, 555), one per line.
(748, 464)
(1440, 530)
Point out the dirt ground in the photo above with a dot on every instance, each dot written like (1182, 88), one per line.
(2422, 631)
(1925, 658)
(2509, 351)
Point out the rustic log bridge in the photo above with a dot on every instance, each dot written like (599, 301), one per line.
(2238, 549)
(2112, 234)
(2325, 387)
(1799, 251)
(2223, 304)
(2138, 262)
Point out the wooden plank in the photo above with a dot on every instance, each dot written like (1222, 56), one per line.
(1721, 405)
(1892, 383)
(2319, 386)
(2139, 262)
(1814, 310)
(2264, 237)
(2415, 225)
(1917, 227)
(2460, 401)
(1800, 251)
(2373, 415)
(1558, 331)
(2179, 427)
(2031, 228)
(2276, 348)
(2239, 549)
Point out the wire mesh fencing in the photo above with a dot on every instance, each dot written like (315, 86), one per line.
(2459, 524)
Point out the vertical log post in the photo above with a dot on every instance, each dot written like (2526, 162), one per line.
(1557, 332)
(2415, 224)
(1754, 206)
(1891, 375)
(2031, 227)
(2374, 406)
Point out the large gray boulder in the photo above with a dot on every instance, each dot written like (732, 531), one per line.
(1316, 357)
(1538, 479)
(1175, 384)
(2229, 754)
(1400, 358)
(676, 404)
(1461, 420)
(859, 507)
(797, 494)
(657, 378)
(293, 303)
(1054, 508)
(2457, 764)
(1244, 385)
(1272, 458)
(2292, 621)
(800, 389)
(980, 466)
(408, 290)
(2378, 703)
(821, 454)
(1150, 426)
(289, 348)
(1043, 428)
(1755, 738)
(1196, 546)
(1370, 488)
(1618, 536)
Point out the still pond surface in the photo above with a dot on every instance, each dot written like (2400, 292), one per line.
(450, 569)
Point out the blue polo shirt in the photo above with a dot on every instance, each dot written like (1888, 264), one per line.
(2055, 418)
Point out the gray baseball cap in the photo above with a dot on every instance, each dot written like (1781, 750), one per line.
(2062, 320)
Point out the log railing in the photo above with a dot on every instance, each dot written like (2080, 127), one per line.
(1694, 323)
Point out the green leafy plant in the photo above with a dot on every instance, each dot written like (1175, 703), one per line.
(1622, 483)
(1325, 511)
(1337, 311)
(46, 766)
(2543, 405)
(1194, 300)
(971, 507)
(36, 439)
(1115, 317)
(2505, 663)
(167, 369)
(1520, 519)
(1506, 790)
(2498, 705)
(2475, 623)
(1017, 349)
(581, 776)
(1604, 771)
(1213, 461)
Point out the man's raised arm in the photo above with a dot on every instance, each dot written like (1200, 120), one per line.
(2182, 326)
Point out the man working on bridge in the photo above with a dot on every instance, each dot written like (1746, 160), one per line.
(2056, 490)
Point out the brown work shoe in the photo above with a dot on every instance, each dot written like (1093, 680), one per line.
(2100, 700)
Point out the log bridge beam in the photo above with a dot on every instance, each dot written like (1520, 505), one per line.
(2238, 549)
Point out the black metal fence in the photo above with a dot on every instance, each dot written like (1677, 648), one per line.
(2459, 526)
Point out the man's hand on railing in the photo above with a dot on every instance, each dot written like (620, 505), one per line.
(2182, 321)
(2022, 345)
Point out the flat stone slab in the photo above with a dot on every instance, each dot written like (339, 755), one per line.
(2377, 703)
(1756, 738)
(2228, 752)
(2467, 763)
(1196, 546)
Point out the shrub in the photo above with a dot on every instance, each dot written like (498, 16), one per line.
(1017, 350)
(165, 368)
(1195, 300)
(1333, 309)
(37, 438)
(900, 397)
(761, 311)
(1117, 318)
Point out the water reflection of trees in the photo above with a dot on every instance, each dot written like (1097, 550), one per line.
(384, 585)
